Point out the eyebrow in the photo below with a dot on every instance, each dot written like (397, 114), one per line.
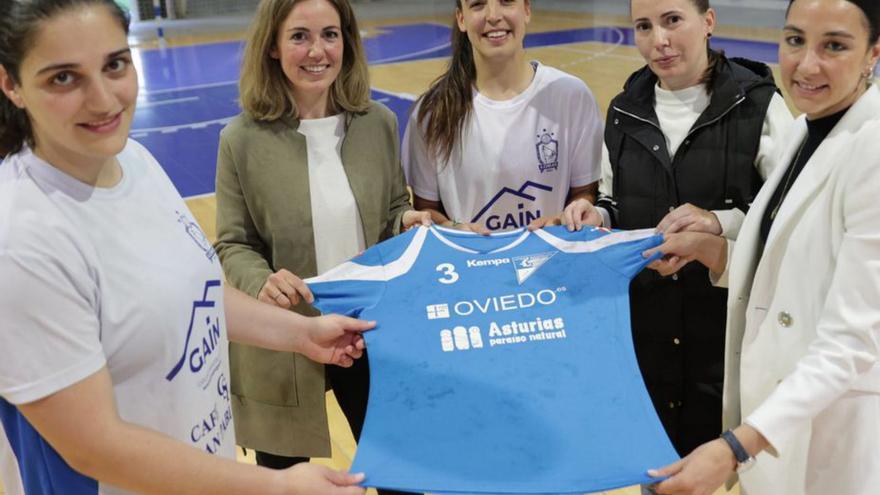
(55, 67)
(303, 28)
(665, 14)
(833, 34)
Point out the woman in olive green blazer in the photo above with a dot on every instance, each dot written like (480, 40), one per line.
(265, 220)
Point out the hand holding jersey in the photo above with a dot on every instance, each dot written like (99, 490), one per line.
(284, 289)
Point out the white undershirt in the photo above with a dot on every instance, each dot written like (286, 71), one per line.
(336, 221)
(677, 112)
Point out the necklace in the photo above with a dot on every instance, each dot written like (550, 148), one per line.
(788, 175)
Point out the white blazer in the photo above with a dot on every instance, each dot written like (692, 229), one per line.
(803, 324)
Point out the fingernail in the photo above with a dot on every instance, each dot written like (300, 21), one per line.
(653, 473)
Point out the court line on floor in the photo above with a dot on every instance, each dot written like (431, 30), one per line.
(189, 88)
(155, 103)
(601, 53)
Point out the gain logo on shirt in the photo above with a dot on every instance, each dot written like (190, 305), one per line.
(548, 152)
(202, 349)
(524, 214)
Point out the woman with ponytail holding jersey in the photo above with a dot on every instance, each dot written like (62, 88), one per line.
(689, 141)
(499, 141)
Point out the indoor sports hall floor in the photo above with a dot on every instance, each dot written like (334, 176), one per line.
(189, 82)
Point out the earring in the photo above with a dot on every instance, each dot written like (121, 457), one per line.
(869, 71)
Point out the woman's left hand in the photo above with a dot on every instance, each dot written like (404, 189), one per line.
(411, 218)
(689, 218)
(702, 472)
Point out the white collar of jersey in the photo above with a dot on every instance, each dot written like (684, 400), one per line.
(519, 235)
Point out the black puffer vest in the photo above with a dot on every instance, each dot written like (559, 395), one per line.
(678, 322)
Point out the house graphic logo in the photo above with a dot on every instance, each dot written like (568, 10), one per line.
(522, 216)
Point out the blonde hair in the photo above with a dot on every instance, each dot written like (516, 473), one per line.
(265, 90)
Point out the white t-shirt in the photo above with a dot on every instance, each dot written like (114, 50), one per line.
(120, 277)
(336, 221)
(517, 159)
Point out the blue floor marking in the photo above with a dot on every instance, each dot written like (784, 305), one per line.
(189, 93)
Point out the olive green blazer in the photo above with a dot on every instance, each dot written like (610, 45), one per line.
(264, 224)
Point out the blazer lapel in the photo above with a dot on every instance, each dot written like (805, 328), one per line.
(745, 257)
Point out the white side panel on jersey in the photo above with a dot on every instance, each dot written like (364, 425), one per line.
(596, 244)
(351, 271)
(9, 470)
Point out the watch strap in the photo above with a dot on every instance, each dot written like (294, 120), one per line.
(739, 451)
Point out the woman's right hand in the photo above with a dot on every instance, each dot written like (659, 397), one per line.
(284, 289)
(581, 212)
(320, 480)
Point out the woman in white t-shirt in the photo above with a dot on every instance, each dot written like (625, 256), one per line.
(498, 142)
(114, 374)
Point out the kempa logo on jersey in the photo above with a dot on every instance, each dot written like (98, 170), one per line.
(497, 304)
(524, 266)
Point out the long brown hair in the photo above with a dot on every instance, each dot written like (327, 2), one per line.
(265, 90)
(447, 104)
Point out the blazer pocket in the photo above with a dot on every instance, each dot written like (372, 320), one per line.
(262, 375)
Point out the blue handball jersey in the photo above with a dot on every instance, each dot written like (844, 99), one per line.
(501, 364)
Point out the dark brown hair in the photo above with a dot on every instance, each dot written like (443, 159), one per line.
(447, 104)
(871, 9)
(19, 22)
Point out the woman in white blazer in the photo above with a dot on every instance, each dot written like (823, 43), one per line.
(802, 384)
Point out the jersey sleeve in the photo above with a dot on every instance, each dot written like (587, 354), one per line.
(50, 329)
(418, 163)
(356, 285)
(625, 255)
(620, 250)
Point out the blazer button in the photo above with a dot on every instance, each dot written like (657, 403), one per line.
(656, 147)
(676, 341)
(784, 319)
(616, 121)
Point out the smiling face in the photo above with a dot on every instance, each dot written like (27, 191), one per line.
(671, 35)
(78, 87)
(495, 28)
(825, 55)
(310, 48)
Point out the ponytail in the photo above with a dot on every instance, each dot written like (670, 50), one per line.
(446, 106)
(708, 79)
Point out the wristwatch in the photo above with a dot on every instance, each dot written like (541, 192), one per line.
(743, 460)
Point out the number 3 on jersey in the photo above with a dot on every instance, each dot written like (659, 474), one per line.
(450, 276)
